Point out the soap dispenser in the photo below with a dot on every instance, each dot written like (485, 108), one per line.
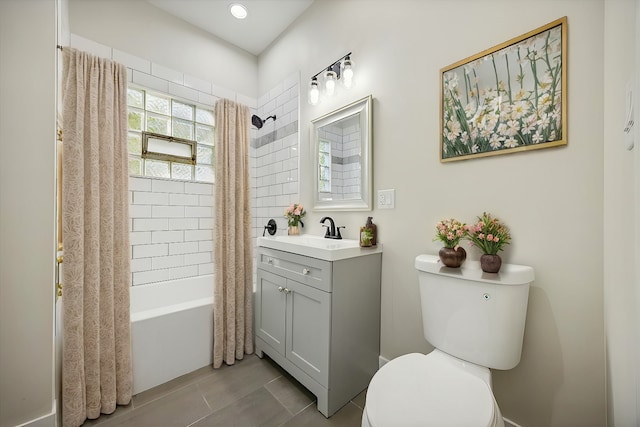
(368, 234)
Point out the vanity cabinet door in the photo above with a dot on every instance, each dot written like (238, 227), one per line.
(308, 330)
(270, 309)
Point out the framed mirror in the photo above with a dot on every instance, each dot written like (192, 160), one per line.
(342, 144)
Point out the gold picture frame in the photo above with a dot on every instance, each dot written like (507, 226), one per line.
(506, 99)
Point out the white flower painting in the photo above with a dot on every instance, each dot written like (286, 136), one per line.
(510, 98)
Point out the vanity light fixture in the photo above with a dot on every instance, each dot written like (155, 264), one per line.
(314, 92)
(238, 10)
(330, 81)
(340, 69)
(347, 72)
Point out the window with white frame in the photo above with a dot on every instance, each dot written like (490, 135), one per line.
(175, 126)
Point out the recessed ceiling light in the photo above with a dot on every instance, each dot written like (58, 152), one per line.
(239, 11)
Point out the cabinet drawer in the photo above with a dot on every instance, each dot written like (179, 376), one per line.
(310, 271)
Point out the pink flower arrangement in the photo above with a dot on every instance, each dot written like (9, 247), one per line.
(488, 234)
(294, 214)
(450, 232)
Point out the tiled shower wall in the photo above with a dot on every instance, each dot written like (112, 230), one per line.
(275, 158)
(171, 229)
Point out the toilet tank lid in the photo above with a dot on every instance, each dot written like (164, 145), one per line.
(510, 274)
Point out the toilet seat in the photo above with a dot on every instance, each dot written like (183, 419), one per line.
(430, 390)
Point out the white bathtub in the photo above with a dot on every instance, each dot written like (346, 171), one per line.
(171, 329)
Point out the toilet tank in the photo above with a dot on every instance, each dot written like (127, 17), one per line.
(475, 316)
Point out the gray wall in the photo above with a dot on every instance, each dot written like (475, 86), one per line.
(27, 201)
(621, 187)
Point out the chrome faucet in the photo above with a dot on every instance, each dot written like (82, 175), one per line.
(332, 231)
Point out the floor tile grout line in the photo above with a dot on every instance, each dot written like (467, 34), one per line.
(276, 398)
(206, 402)
(357, 406)
(269, 382)
(163, 395)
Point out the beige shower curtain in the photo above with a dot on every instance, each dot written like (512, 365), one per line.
(233, 265)
(96, 361)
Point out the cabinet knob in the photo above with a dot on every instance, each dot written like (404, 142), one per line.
(280, 289)
(286, 291)
(269, 260)
(305, 271)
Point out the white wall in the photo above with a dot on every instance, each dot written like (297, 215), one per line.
(552, 199)
(143, 30)
(27, 218)
(621, 320)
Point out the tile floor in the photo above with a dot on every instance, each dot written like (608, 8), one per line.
(253, 392)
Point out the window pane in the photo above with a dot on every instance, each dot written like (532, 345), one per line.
(183, 129)
(325, 187)
(205, 155)
(324, 173)
(136, 118)
(135, 98)
(135, 166)
(156, 168)
(204, 134)
(181, 171)
(158, 124)
(183, 111)
(135, 143)
(158, 104)
(324, 146)
(204, 173)
(204, 116)
(324, 159)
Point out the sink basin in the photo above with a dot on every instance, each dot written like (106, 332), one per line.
(317, 247)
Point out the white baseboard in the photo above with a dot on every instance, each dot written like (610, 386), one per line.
(509, 423)
(48, 420)
(382, 361)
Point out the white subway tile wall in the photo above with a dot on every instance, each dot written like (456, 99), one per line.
(171, 229)
(274, 160)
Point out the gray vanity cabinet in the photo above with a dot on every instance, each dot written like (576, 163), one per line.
(295, 322)
(320, 321)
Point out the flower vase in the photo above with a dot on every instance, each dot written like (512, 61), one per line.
(294, 230)
(490, 263)
(452, 257)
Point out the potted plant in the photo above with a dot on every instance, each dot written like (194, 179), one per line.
(450, 232)
(490, 236)
(294, 215)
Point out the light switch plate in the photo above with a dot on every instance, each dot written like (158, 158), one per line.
(386, 199)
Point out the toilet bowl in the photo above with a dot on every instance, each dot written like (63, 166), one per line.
(436, 389)
(476, 323)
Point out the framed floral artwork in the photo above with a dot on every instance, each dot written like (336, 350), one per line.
(510, 98)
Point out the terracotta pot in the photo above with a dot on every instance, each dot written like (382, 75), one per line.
(294, 230)
(490, 263)
(452, 257)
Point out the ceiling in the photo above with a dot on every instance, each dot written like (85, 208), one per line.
(266, 19)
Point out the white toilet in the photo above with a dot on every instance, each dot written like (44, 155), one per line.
(475, 321)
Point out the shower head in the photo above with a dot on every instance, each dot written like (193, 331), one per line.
(258, 122)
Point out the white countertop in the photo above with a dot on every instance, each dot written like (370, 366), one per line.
(318, 247)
